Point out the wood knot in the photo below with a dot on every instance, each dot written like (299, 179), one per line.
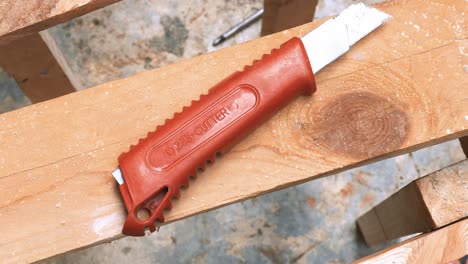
(357, 125)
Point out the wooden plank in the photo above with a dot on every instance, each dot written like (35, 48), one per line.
(280, 15)
(35, 68)
(464, 145)
(387, 96)
(23, 17)
(57, 53)
(441, 246)
(425, 204)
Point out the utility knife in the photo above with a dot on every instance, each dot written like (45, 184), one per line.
(152, 172)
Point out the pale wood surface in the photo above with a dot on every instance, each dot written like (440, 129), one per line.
(34, 66)
(387, 96)
(445, 194)
(441, 246)
(280, 15)
(23, 17)
(425, 204)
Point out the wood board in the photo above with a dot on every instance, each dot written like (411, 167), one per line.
(280, 15)
(23, 17)
(441, 246)
(464, 145)
(387, 96)
(39, 71)
(425, 204)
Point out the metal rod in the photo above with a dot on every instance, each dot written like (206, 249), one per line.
(243, 24)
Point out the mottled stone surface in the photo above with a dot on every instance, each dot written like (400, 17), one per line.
(11, 97)
(309, 223)
(133, 36)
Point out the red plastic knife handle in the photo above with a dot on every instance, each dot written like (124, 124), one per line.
(159, 165)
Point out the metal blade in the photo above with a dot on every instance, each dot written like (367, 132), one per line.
(334, 37)
(117, 173)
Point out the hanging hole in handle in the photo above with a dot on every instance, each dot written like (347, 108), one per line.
(151, 205)
(156, 199)
(143, 214)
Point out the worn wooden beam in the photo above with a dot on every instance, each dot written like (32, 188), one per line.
(57, 53)
(280, 15)
(387, 96)
(464, 145)
(19, 18)
(441, 246)
(425, 204)
(38, 67)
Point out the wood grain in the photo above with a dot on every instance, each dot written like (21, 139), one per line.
(23, 17)
(441, 246)
(425, 204)
(57, 193)
(35, 67)
(280, 15)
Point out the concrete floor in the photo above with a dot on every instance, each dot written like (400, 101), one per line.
(309, 223)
